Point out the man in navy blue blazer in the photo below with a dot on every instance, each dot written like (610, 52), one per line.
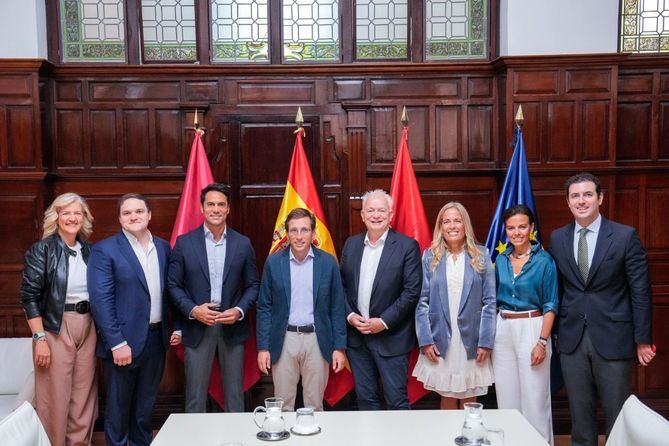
(213, 283)
(382, 276)
(605, 308)
(126, 283)
(301, 326)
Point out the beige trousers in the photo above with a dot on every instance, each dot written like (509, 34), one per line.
(300, 357)
(66, 393)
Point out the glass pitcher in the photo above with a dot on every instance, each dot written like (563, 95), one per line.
(473, 431)
(273, 422)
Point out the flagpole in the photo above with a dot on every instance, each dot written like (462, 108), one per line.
(405, 118)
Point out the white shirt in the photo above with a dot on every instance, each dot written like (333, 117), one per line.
(590, 237)
(76, 277)
(151, 267)
(371, 255)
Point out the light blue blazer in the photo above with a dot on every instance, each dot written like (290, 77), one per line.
(476, 315)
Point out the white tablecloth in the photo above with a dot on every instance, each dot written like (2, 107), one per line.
(383, 428)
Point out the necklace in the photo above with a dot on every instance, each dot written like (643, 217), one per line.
(521, 256)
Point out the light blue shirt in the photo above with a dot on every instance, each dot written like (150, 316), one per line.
(590, 237)
(216, 260)
(301, 290)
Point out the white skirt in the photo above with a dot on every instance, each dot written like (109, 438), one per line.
(453, 375)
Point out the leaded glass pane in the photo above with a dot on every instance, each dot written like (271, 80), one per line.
(311, 30)
(456, 29)
(644, 26)
(239, 30)
(169, 30)
(92, 30)
(381, 28)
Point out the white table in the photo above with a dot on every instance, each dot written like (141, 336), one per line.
(383, 428)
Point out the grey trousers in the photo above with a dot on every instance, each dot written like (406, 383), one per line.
(198, 363)
(587, 374)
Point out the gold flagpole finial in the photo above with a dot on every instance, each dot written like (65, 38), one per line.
(299, 121)
(196, 125)
(519, 116)
(405, 117)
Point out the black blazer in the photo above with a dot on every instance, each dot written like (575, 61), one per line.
(395, 292)
(188, 282)
(615, 301)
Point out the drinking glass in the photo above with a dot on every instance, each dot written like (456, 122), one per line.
(495, 436)
(305, 421)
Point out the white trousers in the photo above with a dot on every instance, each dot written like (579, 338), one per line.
(518, 385)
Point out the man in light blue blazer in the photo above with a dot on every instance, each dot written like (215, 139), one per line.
(301, 326)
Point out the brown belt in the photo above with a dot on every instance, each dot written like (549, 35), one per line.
(525, 315)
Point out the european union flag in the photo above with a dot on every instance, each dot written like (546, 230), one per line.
(517, 190)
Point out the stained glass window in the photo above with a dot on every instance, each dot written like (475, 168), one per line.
(644, 26)
(311, 30)
(239, 31)
(169, 30)
(92, 30)
(455, 29)
(381, 29)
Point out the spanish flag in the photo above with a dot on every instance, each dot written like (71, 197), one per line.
(301, 192)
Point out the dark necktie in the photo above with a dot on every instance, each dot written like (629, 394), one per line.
(583, 266)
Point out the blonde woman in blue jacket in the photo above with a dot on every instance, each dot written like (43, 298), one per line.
(455, 317)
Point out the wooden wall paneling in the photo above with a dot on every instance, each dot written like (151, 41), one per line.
(634, 141)
(103, 142)
(70, 138)
(448, 138)
(136, 150)
(419, 135)
(594, 122)
(479, 133)
(169, 143)
(657, 199)
(656, 378)
(384, 136)
(561, 142)
(22, 134)
(663, 141)
(4, 136)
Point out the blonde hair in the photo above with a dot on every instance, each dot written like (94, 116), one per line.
(438, 246)
(50, 225)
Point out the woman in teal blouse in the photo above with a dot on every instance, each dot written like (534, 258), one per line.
(527, 301)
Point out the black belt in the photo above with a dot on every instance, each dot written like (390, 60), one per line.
(81, 307)
(153, 326)
(302, 328)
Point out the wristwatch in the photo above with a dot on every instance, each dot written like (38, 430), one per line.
(39, 335)
(543, 341)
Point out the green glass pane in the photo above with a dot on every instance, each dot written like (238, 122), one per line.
(381, 28)
(239, 30)
(644, 26)
(311, 30)
(168, 30)
(93, 30)
(456, 29)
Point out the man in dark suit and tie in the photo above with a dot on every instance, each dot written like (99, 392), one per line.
(126, 284)
(605, 308)
(300, 322)
(382, 275)
(213, 283)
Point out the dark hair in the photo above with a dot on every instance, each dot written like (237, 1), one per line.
(582, 178)
(217, 187)
(518, 209)
(300, 213)
(130, 196)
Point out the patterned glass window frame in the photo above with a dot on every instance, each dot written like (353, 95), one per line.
(635, 19)
(75, 47)
(301, 17)
(174, 50)
(391, 49)
(474, 45)
(255, 49)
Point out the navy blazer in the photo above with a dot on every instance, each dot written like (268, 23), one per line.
(395, 292)
(188, 283)
(476, 313)
(616, 299)
(274, 304)
(119, 294)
